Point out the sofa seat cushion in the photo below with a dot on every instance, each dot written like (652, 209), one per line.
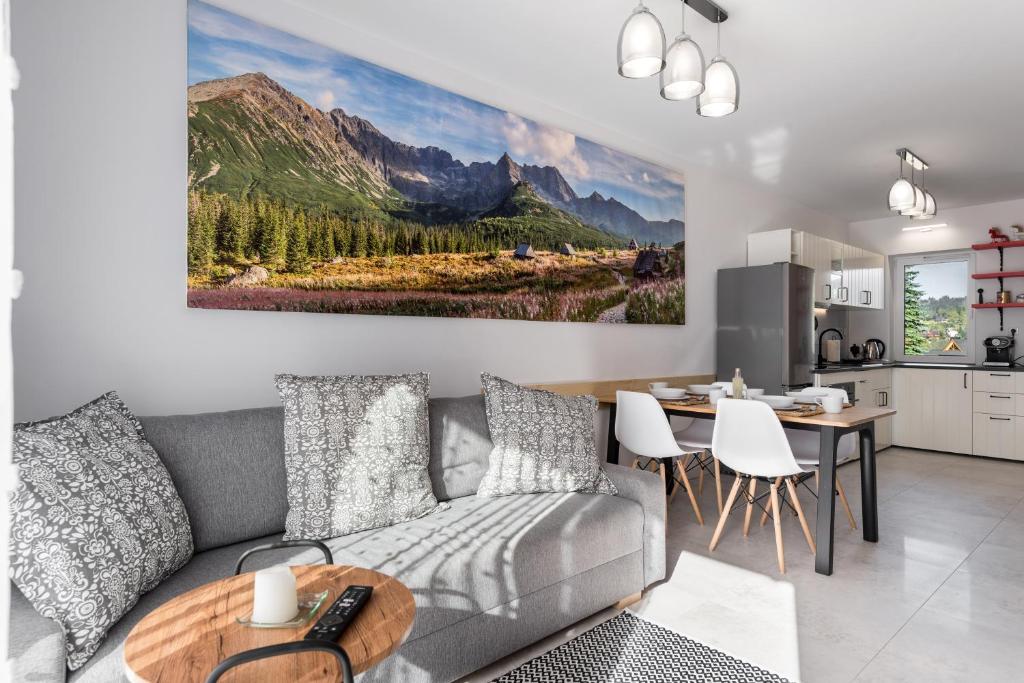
(481, 553)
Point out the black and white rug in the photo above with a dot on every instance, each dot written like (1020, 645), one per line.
(628, 649)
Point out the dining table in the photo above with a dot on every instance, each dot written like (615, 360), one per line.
(830, 427)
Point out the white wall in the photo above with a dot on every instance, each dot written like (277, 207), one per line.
(965, 226)
(100, 172)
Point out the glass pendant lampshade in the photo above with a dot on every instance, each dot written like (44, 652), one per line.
(683, 75)
(919, 204)
(721, 95)
(901, 195)
(929, 207)
(641, 45)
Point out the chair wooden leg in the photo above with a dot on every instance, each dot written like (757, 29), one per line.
(750, 507)
(636, 463)
(764, 515)
(700, 473)
(675, 489)
(661, 470)
(718, 485)
(778, 527)
(800, 515)
(846, 504)
(689, 492)
(725, 512)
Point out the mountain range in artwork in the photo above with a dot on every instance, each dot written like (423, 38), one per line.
(299, 207)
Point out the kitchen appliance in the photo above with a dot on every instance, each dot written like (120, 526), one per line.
(999, 351)
(766, 325)
(874, 349)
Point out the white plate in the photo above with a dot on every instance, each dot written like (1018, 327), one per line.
(668, 393)
(813, 391)
(700, 389)
(801, 397)
(777, 402)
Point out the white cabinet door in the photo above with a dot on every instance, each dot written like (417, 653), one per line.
(994, 435)
(883, 427)
(1002, 381)
(815, 252)
(1018, 451)
(935, 409)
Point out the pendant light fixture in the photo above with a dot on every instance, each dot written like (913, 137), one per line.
(919, 201)
(901, 194)
(641, 44)
(721, 95)
(683, 75)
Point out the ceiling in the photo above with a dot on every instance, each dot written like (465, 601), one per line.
(830, 88)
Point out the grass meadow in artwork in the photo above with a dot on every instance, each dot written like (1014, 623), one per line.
(319, 182)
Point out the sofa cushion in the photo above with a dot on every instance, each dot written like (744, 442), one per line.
(95, 520)
(356, 449)
(479, 554)
(229, 470)
(543, 442)
(460, 445)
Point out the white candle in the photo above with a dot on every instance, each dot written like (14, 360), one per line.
(274, 598)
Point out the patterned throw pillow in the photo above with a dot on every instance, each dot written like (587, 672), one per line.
(355, 451)
(96, 520)
(542, 442)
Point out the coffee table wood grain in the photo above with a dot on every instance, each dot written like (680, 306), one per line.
(185, 638)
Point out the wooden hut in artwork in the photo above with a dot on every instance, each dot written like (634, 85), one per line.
(648, 264)
(525, 251)
(566, 249)
(633, 246)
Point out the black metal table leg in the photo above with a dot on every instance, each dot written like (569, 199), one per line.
(868, 482)
(825, 528)
(613, 443)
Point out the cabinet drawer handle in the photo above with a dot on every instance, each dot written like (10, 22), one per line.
(965, 380)
(994, 396)
(867, 297)
(828, 292)
(999, 418)
(998, 374)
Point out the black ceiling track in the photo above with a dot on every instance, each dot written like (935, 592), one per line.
(709, 10)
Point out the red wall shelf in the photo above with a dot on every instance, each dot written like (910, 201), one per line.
(1009, 305)
(1000, 275)
(998, 245)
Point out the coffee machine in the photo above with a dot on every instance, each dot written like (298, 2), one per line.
(999, 350)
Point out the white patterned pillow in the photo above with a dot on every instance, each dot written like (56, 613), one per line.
(96, 520)
(542, 442)
(356, 451)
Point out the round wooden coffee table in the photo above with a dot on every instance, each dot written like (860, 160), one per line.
(184, 639)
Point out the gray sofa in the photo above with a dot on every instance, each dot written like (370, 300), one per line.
(490, 575)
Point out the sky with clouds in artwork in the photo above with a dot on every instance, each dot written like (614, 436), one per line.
(222, 44)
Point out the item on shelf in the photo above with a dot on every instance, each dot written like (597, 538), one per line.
(1020, 298)
(981, 295)
(874, 349)
(997, 235)
(1003, 296)
(1018, 230)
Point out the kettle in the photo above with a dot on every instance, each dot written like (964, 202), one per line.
(874, 349)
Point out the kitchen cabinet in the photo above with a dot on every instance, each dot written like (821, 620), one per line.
(872, 388)
(844, 275)
(935, 409)
(999, 414)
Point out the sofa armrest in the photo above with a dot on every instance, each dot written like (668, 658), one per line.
(647, 489)
(36, 644)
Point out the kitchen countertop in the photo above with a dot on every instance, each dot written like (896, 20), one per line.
(830, 369)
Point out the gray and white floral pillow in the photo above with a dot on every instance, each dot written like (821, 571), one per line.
(356, 451)
(95, 520)
(542, 442)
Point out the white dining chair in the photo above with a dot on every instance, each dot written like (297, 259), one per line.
(749, 439)
(695, 441)
(643, 428)
(805, 445)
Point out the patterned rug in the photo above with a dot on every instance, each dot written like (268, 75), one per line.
(628, 649)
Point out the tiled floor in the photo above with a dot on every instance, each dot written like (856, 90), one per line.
(939, 598)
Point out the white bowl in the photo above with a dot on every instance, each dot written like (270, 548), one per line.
(777, 402)
(801, 397)
(668, 393)
(813, 391)
(700, 389)
(754, 393)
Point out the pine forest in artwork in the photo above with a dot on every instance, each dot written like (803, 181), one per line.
(320, 182)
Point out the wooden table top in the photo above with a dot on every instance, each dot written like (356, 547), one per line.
(186, 637)
(852, 416)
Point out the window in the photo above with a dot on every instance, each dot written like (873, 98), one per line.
(932, 307)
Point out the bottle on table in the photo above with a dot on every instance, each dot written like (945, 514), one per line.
(737, 385)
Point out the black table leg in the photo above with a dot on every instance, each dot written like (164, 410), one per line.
(825, 529)
(868, 482)
(613, 443)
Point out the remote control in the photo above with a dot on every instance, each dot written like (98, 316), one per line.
(343, 612)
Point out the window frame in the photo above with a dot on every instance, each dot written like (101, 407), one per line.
(899, 264)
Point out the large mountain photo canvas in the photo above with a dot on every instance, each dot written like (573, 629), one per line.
(320, 182)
